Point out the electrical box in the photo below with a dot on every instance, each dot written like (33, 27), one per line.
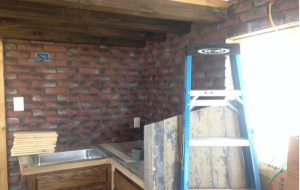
(18, 103)
(137, 122)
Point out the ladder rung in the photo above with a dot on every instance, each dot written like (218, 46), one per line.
(218, 141)
(216, 93)
(211, 103)
(221, 189)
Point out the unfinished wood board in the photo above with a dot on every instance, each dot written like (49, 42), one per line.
(3, 153)
(210, 167)
(117, 153)
(211, 3)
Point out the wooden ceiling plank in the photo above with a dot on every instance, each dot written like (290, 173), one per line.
(67, 37)
(210, 3)
(23, 24)
(63, 14)
(213, 12)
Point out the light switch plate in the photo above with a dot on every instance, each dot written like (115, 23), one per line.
(18, 103)
(137, 122)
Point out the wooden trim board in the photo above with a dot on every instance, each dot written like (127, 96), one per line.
(3, 153)
(210, 3)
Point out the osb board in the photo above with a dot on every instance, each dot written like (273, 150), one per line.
(210, 167)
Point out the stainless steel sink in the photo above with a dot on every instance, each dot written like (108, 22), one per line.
(69, 156)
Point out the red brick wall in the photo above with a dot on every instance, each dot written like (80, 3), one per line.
(88, 94)
(164, 69)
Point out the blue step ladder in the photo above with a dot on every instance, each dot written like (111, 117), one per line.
(235, 99)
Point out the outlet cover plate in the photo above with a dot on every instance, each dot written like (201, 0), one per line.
(137, 122)
(18, 103)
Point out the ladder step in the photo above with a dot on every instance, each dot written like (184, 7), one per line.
(211, 103)
(218, 141)
(221, 189)
(216, 93)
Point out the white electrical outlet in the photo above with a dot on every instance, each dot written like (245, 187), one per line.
(137, 122)
(18, 103)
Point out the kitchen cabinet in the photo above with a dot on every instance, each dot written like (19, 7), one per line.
(121, 182)
(87, 178)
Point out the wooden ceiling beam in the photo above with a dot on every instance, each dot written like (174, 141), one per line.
(63, 14)
(66, 37)
(213, 12)
(210, 3)
(23, 24)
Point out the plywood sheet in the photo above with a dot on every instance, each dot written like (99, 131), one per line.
(210, 167)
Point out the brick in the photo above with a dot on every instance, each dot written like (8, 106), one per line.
(136, 102)
(68, 111)
(61, 144)
(62, 97)
(46, 126)
(259, 24)
(119, 102)
(79, 143)
(13, 179)
(10, 46)
(231, 21)
(120, 114)
(68, 124)
(69, 137)
(67, 70)
(239, 30)
(109, 83)
(89, 96)
(100, 90)
(16, 54)
(79, 77)
(222, 34)
(59, 63)
(101, 116)
(55, 90)
(204, 82)
(44, 112)
(32, 105)
(17, 69)
(67, 83)
(57, 118)
(65, 56)
(76, 50)
(110, 96)
(44, 69)
(129, 108)
(291, 15)
(89, 83)
(22, 127)
(78, 64)
(119, 65)
(100, 103)
(89, 70)
(102, 128)
(109, 108)
(31, 76)
(90, 110)
(162, 83)
(128, 83)
(279, 6)
(54, 48)
(36, 119)
(89, 58)
(10, 76)
(111, 134)
(101, 141)
(81, 130)
(241, 7)
(31, 62)
(56, 104)
(100, 77)
(163, 70)
(29, 47)
(43, 83)
(151, 71)
(100, 51)
(219, 82)
(11, 113)
(80, 103)
(78, 90)
(16, 83)
(119, 77)
(99, 65)
(44, 98)
(215, 73)
(254, 14)
(91, 123)
(131, 71)
(110, 71)
(31, 91)
(11, 91)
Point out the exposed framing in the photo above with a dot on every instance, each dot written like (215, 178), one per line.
(3, 153)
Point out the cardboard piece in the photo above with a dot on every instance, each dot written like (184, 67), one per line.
(292, 178)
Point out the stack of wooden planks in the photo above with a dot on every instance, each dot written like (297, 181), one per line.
(30, 143)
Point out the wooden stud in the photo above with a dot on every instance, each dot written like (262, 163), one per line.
(3, 153)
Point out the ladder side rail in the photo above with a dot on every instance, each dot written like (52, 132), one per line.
(184, 177)
(249, 154)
